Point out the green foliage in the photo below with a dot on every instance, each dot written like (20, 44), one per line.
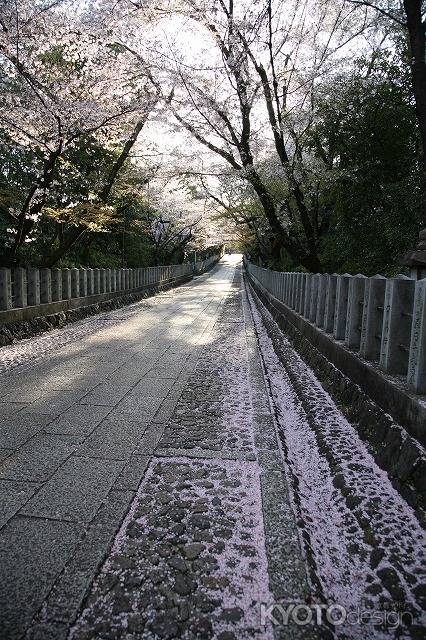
(359, 161)
(118, 233)
(366, 134)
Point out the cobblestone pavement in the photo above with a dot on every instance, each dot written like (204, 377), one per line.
(156, 483)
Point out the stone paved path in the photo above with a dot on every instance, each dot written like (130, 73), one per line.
(149, 489)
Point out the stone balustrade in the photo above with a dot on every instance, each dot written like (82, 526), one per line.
(26, 293)
(381, 319)
(204, 265)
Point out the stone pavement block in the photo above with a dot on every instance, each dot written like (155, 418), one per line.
(150, 439)
(16, 430)
(4, 453)
(287, 570)
(55, 402)
(69, 590)
(32, 553)
(13, 496)
(152, 353)
(264, 432)
(84, 368)
(171, 358)
(86, 381)
(168, 371)
(142, 410)
(38, 458)
(167, 407)
(106, 394)
(50, 631)
(22, 392)
(270, 460)
(204, 453)
(10, 408)
(75, 491)
(133, 472)
(152, 387)
(78, 420)
(113, 439)
(128, 374)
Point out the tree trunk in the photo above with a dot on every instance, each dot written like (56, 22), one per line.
(75, 234)
(416, 33)
(309, 259)
(24, 224)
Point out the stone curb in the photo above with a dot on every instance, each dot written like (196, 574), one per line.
(400, 455)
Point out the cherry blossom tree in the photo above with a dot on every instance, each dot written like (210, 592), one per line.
(250, 92)
(62, 84)
(408, 16)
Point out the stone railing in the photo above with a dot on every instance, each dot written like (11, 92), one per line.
(30, 287)
(204, 265)
(26, 293)
(382, 320)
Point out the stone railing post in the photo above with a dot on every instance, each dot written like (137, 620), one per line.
(291, 289)
(372, 317)
(103, 281)
(281, 287)
(322, 290)
(314, 297)
(271, 280)
(355, 311)
(113, 280)
(56, 285)
(330, 302)
(302, 287)
(341, 309)
(75, 283)
(96, 281)
(296, 280)
(276, 283)
(82, 282)
(307, 301)
(397, 320)
(90, 282)
(296, 285)
(108, 280)
(20, 287)
(284, 294)
(45, 286)
(5, 289)
(66, 284)
(416, 376)
(33, 286)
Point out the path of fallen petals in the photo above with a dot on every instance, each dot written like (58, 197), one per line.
(365, 542)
